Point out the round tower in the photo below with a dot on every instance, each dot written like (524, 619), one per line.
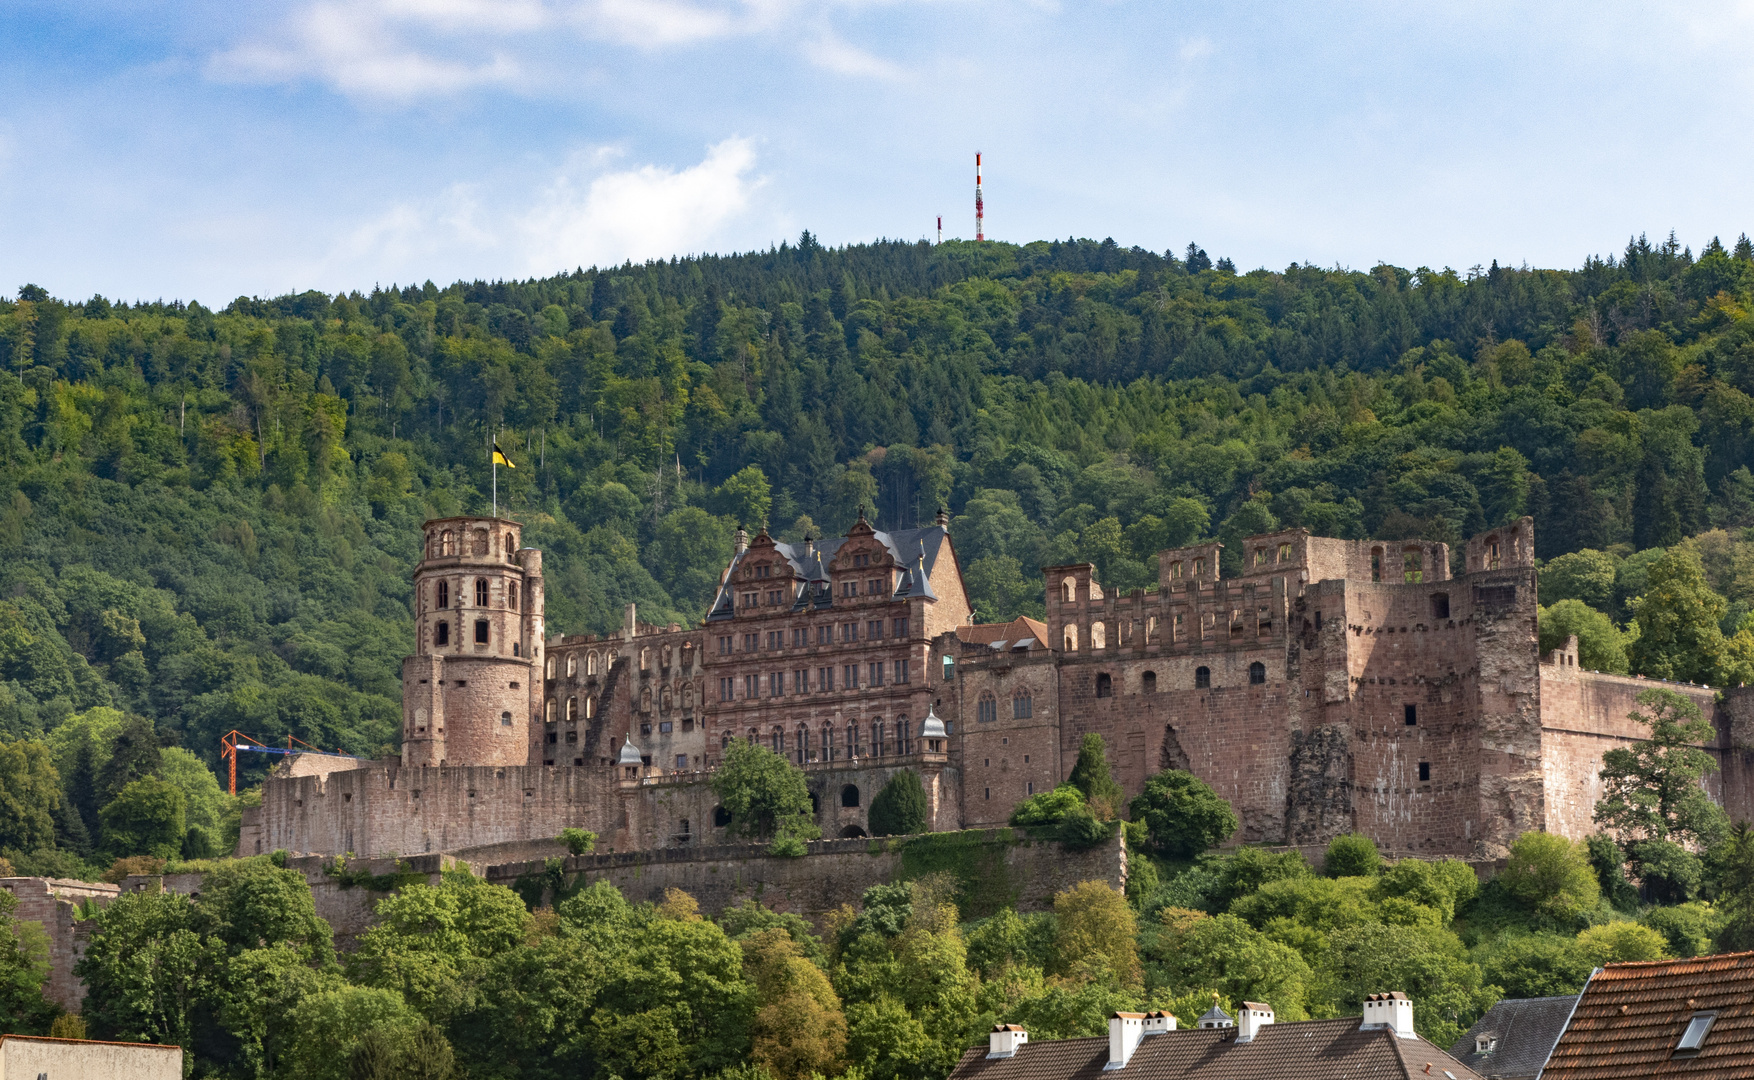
(470, 690)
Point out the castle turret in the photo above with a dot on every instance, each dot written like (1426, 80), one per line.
(471, 691)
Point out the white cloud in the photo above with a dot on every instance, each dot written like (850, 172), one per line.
(648, 212)
(402, 49)
(587, 212)
(359, 51)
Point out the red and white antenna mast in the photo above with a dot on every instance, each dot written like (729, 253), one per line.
(980, 210)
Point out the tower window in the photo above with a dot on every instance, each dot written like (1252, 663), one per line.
(1105, 685)
(480, 592)
(511, 596)
(1424, 771)
(1412, 715)
(1257, 673)
(1440, 605)
(481, 631)
(1202, 678)
(1148, 682)
(442, 634)
(444, 594)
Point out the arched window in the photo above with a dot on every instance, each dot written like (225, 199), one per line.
(508, 545)
(1257, 673)
(877, 738)
(511, 596)
(447, 543)
(1071, 637)
(1068, 589)
(572, 710)
(645, 701)
(480, 592)
(645, 658)
(1376, 564)
(827, 742)
(849, 795)
(1022, 705)
(572, 664)
(590, 707)
(590, 664)
(1148, 682)
(987, 709)
(1098, 636)
(904, 736)
(802, 743)
(1413, 565)
(550, 667)
(1202, 678)
(480, 544)
(852, 739)
(441, 634)
(1105, 685)
(721, 817)
(548, 711)
(688, 696)
(1491, 559)
(444, 594)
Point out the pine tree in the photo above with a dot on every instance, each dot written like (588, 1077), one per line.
(1091, 777)
(900, 809)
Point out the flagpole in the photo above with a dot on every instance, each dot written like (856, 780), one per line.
(494, 460)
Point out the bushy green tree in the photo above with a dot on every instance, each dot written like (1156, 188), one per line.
(30, 796)
(1351, 855)
(900, 808)
(1653, 797)
(765, 794)
(1551, 876)
(1182, 813)
(24, 970)
(145, 818)
(1678, 617)
(1585, 576)
(1600, 644)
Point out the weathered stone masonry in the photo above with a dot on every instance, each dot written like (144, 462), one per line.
(1334, 685)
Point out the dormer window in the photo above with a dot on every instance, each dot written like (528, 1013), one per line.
(1485, 1043)
(1697, 1029)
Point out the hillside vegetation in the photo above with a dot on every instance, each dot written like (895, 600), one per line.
(208, 518)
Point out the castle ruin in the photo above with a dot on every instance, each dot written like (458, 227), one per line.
(1332, 686)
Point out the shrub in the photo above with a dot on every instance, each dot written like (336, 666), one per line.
(1182, 814)
(1688, 929)
(198, 843)
(579, 841)
(1617, 942)
(1351, 855)
(1551, 876)
(900, 808)
(1534, 965)
(1048, 807)
(131, 865)
(1093, 780)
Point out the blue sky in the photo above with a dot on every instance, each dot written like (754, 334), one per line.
(204, 150)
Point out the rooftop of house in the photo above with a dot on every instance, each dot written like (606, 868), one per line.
(1670, 1018)
(1021, 632)
(1339, 1049)
(1515, 1036)
(914, 550)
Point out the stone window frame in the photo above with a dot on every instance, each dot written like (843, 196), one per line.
(1257, 674)
(1022, 705)
(986, 708)
(1202, 678)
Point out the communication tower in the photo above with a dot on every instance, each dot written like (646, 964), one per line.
(980, 210)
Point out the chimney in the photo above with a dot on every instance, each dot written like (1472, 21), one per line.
(1004, 1040)
(1159, 1022)
(1250, 1019)
(1392, 1011)
(1125, 1029)
(740, 540)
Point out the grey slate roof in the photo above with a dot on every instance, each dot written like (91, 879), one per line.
(915, 549)
(1306, 1050)
(1526, 1030)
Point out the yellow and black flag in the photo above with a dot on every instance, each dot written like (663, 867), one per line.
(499, 457)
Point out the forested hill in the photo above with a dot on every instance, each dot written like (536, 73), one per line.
(208, 518)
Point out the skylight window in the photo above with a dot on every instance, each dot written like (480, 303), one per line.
(1694, 1036)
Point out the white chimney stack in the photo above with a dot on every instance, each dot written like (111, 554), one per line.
(1250, 1019)
(1159, 1022)
(1004, 1039)
(1392, 1011)
(1125, 1029)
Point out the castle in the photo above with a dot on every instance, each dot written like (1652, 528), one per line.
(1332, 686)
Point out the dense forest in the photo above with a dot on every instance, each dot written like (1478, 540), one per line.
(208, 518)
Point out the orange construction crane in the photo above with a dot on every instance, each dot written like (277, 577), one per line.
(233, 741)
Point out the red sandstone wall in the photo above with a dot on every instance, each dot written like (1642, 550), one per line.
(49, 903)
(1583, 714)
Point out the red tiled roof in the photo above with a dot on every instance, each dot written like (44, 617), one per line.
(1631, 1017)
(1017, 629)
(1306, 1050)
